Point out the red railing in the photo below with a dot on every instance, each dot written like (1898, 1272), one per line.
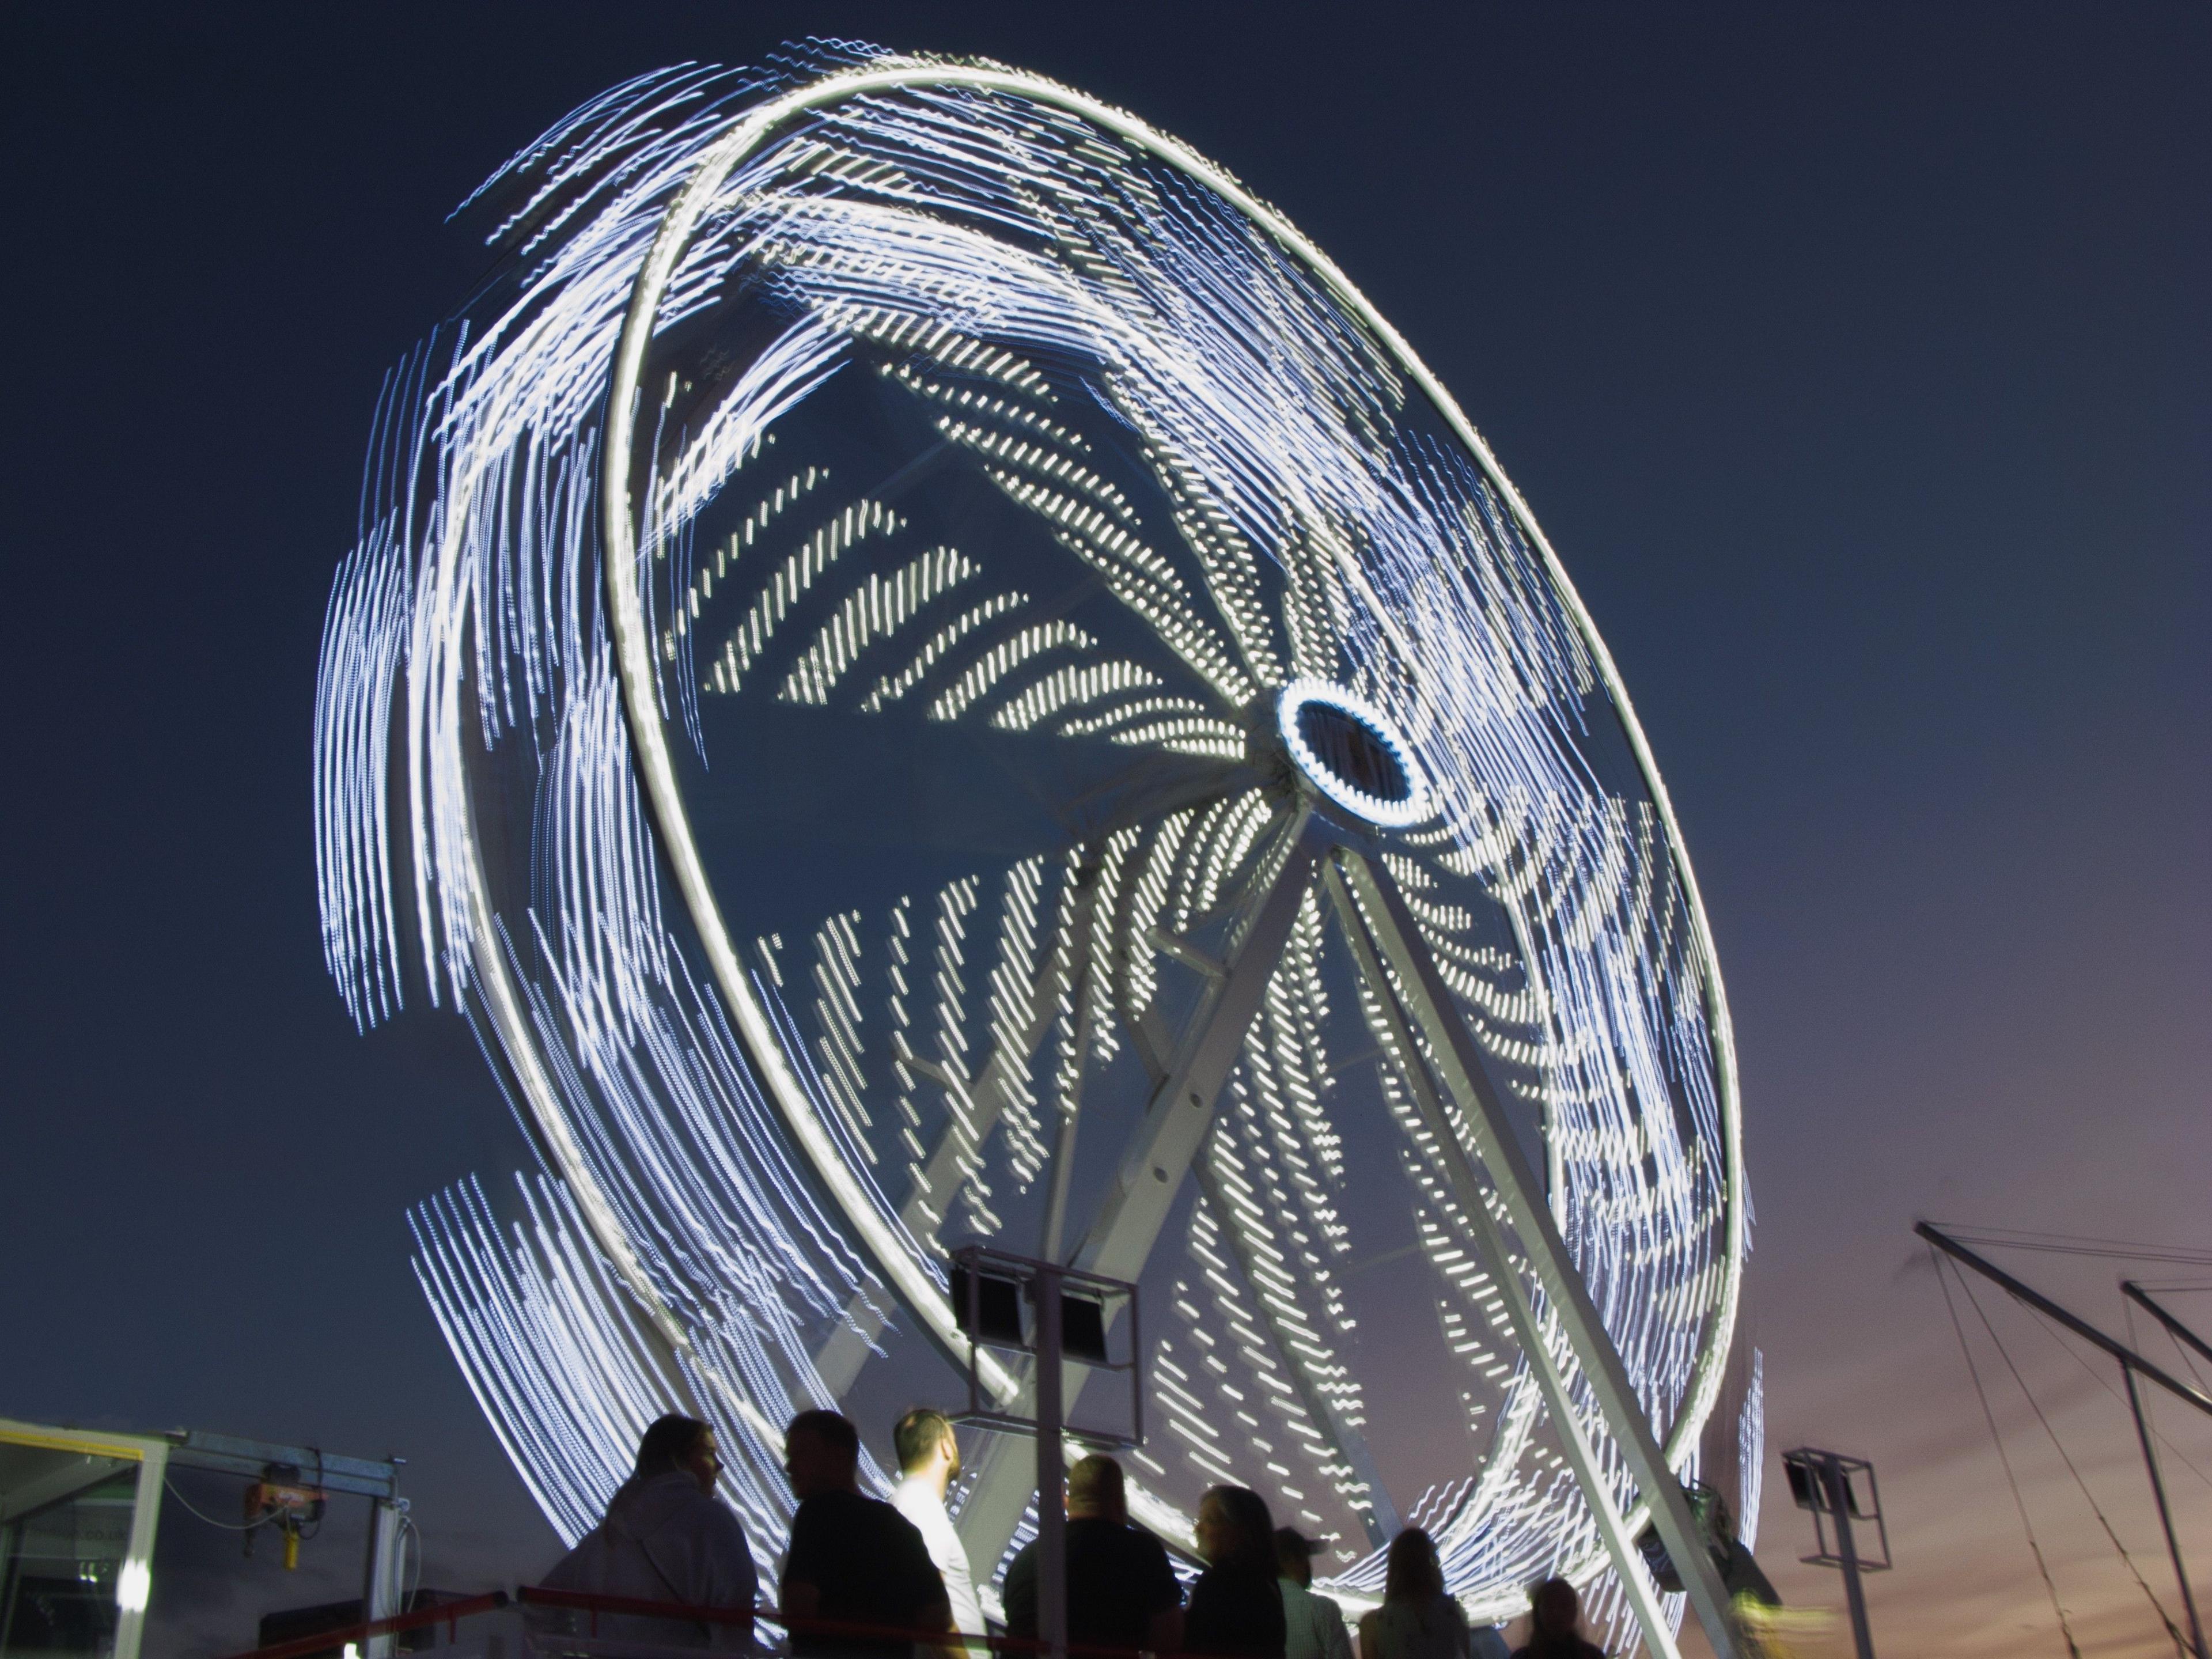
(540, 1595)
(581, 1601)
(449, 1614)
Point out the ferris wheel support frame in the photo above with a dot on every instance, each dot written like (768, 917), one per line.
(840, 1358)
(1120, 1240)
(1381, 930)
(1380, 1516)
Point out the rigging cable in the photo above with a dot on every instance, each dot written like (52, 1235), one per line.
(2180, 1642)
(2042, 1567)
(2075, 1354)
(228, 1526)
(410, 1532)
(2128, 1306)
(2120, 1249)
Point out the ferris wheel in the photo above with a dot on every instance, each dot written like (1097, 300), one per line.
(923, 669)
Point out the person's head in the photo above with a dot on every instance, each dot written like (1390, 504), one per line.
(1095, 1491)
(821, 1454)
(675, 1443)
(1294, 1554)
(1411, 1571)
(1554, 1609)
(925, 1443)
(1235, 1529)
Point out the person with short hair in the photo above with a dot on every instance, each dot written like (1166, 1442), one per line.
(1418, 1619)
(665, 1537)
(929, 1463)
(1312, 1624)
(852, 1558)
(1555, 1625)
(1236, 1609)
(1121, 1592)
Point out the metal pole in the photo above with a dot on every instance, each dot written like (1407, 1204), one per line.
(1051, 1471)
(1070, 1106)
(134, 1586)
(2130, 1362)
(380, 1581)
(1375, 922)
(1840, 1494)
(2164, 1517)
(1063, 1163)
(1120, 1239)
(2181, 1332)
(2043, 1304)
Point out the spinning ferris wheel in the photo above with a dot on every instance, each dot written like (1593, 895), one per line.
(924, 669)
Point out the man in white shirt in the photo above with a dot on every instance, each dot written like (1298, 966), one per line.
(929, 1463)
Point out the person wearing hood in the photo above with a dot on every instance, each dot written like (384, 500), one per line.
(667, 1538)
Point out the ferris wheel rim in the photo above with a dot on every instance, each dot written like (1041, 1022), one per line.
(902, 1267)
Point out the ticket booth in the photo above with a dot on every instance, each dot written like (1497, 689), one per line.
(77, 1513)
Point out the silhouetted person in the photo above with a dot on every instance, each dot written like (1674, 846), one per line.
(1417, 1619)
(1121, 1592)
(1555, 1613)
(852, 1558)
(1312, 1624)
(1236, 1608)
(665, 1537)
(929, 1463)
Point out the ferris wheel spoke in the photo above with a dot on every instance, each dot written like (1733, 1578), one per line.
(840, 1358)
(1181, 1110)
(1379, 929)
(1061, 1169)
(1120, 1240)
(1378, 1515)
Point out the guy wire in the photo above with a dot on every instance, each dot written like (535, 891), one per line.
(1998, 1440)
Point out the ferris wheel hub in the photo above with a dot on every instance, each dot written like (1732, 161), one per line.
(1353, 753)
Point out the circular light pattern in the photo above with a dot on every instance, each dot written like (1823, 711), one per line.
(1355, 759)
(812, 689)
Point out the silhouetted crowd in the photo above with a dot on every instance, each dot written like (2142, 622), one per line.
(865, 1579)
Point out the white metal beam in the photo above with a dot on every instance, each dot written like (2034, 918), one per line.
(381, 1586)
(134, 1586)
(841, 1356)
(1377, 923)
(1380, 1517)
(1120, 1238)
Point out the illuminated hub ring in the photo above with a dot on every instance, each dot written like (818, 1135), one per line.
(1367, 770)
(768, 1081)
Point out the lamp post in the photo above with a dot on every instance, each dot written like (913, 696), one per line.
(1827, 1484)
(1070, 1314)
